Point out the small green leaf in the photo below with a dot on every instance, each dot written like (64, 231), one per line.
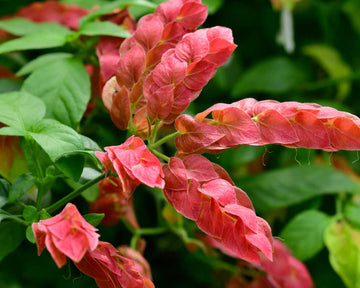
(64, 87)
(20, 110)
(289, 186)
(42, 61)
(42, 40)
(106, 8)
(4, 192)
(30, 214)
(352, 10)
(44, 215)
(103, 28)
(30, 235)
(21, 186)
(343, 242)
(213, 5)
(273, 76)
(352, 213)
(11, 236)
(22, 26)
(94, 218)
(331, 61)
(304, 234)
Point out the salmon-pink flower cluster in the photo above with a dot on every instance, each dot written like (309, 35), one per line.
(203, 192)
(133, 163)
(65, 235)
(113, 202)
(110, 269)
(253, 122)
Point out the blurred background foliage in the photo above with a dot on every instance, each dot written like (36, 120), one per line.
(296, 190)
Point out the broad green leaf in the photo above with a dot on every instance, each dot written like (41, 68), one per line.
(333, 64)
(11, 236)
(103, 28)
(289, 186)
(343, 243)
(9, 85)
(42, 61)
(64, 86)
(58, 140)
(20, 110)
(90, 144)
(273, 76)
(88, 4)
(94, 218)
(304, 234)
(4, 192)
(42, 40)
(22, 26)
(106, 8)
(21, 186)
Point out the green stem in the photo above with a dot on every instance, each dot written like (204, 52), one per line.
(73, 194)
(165, 139)
(154, 134)
(14, 218)
(160, 155)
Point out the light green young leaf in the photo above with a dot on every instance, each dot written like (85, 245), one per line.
(56, 139)
(304, 234)
(113, 5)
(22, 26)
(42, 61)
(20, 110)
(213, 5)
(42, 40)
(64, 86)
(103, 28)
(333, 64)
(289, 186)
(87, 4)
(9, 85)
(94, 218)
(273, 76)
(343, 242)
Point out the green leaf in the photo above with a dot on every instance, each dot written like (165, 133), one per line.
(94, 218)
(343, 243)
(11, 236)
(352, 10)
(273, 76)
(9, 85)
(42, 61)
(30, 214)
(30, 235)
(42, 40)
(64, 86)
(289, 186)
(113, 5)
(22, 26)
(90, 144)
(213, 5)
(4, 192)
(88, 4)
(352, 213)
(304, 234)
(3, 216)
(44, 215)
(59, 140)
(103, 28)
(331, 61)
(20, 110)
(21, 186)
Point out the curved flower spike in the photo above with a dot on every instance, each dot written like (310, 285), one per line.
(65, 235)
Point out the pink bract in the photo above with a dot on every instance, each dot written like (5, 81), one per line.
(134, 164)
(65, 235)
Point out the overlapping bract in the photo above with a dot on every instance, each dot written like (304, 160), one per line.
(133, 163)
(203, 192)
(65, 235)
(110, 269)
(253, 122)
(164, 65)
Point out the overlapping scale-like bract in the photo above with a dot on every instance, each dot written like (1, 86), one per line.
(252, 122)
(203, 192)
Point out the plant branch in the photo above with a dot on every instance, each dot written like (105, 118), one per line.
(165, 139)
